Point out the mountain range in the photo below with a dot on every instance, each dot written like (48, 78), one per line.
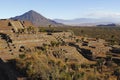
(36, 18)
(89, 21)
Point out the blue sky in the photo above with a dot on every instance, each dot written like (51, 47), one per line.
(61, 9)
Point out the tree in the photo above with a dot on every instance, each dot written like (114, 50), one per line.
(109, 60)
(30, 29)
(100, 64)
(112, 40)
(117, 73)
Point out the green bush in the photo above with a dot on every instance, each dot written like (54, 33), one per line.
(22, 56)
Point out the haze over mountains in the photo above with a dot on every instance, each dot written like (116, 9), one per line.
(36, 18)
(89, 21)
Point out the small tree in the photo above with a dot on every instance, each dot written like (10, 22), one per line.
(100, 64)
(117, 73)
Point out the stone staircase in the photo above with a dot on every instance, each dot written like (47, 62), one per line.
(16, 25)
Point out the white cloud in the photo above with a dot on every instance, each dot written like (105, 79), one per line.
(103, 14)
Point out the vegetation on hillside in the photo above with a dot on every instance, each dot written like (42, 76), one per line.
(110, 34)
(67, 55)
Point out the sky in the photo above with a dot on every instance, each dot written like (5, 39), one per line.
(61, 9)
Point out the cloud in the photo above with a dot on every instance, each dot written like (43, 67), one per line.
(103, 14)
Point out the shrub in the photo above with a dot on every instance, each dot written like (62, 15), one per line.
(21, 56)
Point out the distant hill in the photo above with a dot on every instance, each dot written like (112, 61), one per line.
(36, 18)
(112, 25)
(88, 21)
